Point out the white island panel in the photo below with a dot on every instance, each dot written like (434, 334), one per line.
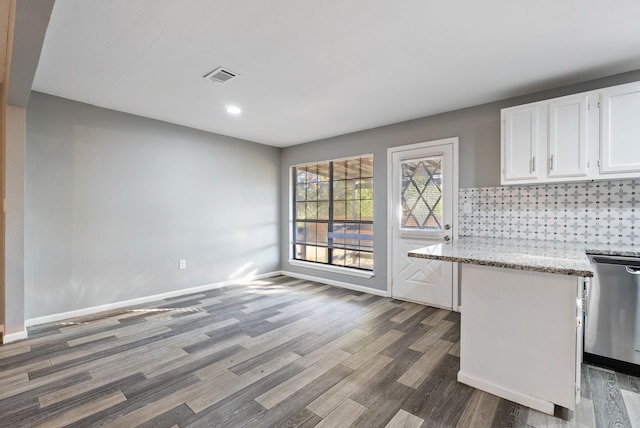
(519, 335)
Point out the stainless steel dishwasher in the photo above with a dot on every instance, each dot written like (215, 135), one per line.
(612, 324)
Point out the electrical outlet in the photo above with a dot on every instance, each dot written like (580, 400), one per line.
(183, 264)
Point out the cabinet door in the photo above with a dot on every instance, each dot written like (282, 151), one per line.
(568, 128)
(620, 129)
(521, 139)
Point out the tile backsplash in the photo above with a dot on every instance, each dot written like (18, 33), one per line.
(584, 212)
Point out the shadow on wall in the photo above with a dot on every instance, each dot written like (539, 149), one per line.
(114, 201)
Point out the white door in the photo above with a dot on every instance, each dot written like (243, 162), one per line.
(620, 129)
(522, 137)
(423, 198)
(568, 128)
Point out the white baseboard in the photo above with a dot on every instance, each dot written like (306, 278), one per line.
(340, 284)
(508, 394)
(140, 300)
(13, 337)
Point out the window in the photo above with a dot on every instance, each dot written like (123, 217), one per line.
(422, 194)
(333, 212)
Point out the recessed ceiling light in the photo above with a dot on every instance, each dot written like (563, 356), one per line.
(234, 110)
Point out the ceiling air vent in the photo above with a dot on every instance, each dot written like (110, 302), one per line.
(220, 75)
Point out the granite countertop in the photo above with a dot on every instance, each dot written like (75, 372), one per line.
(539, 256)
(613, 250)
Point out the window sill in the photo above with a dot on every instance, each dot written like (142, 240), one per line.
(334, 269)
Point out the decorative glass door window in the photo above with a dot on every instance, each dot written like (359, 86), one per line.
(333, 212)
(422, 194)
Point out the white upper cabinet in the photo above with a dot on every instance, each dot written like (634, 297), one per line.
(587, 136)
(521, 127)
(568, 131)
(620, 131)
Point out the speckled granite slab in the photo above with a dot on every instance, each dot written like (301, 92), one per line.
(613, 250)
(523, 254)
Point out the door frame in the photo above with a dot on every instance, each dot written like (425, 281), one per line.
(454, 141)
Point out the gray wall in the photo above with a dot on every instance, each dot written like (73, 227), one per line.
(14, 223)
(114, 201)
(478, 129)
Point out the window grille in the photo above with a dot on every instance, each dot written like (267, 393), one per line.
(333, 212)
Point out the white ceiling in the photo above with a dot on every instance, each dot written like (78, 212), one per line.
(316, 69)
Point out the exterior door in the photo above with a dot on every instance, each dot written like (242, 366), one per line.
(423, 191)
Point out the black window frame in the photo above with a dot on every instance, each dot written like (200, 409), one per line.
(340, 231)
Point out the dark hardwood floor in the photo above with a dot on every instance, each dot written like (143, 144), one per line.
(272, 353)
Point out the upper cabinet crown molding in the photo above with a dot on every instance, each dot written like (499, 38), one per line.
(586, 136)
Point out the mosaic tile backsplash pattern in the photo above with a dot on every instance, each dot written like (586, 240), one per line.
(586, 212)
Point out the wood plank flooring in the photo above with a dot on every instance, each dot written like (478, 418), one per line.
(279, 352)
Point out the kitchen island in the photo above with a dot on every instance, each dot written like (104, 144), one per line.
(521, 321)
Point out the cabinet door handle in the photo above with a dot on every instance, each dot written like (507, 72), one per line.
(533, 164)
(551, 163)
